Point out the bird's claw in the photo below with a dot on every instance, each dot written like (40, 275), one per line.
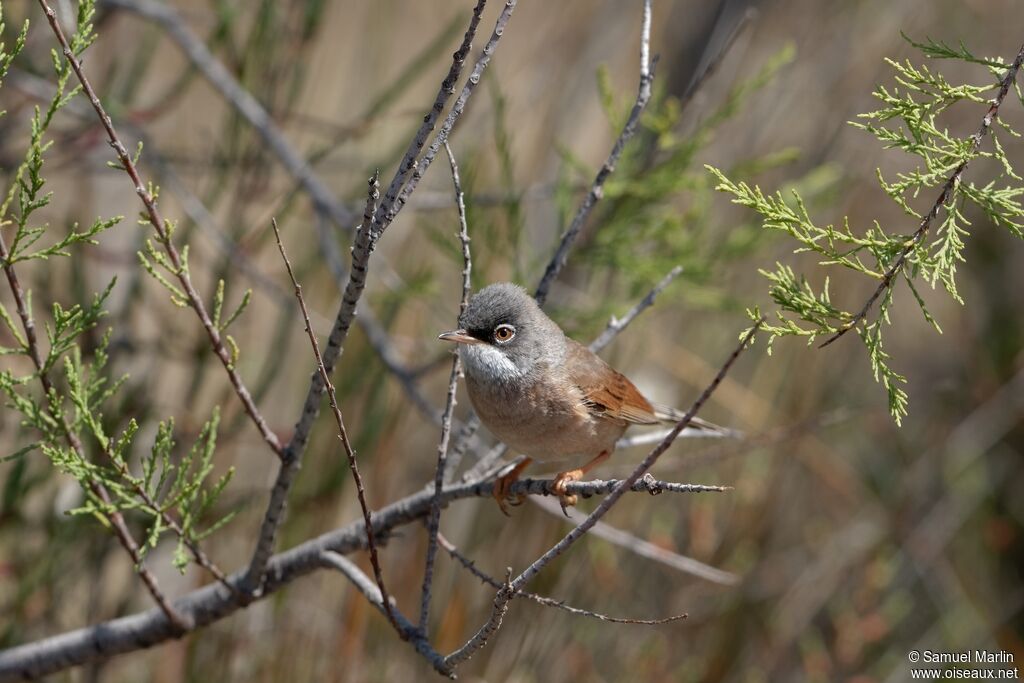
(558, 487)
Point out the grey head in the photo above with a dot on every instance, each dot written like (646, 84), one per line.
(504, 336)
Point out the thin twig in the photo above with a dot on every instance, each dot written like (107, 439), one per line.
(434, 520)
(390, 210)
(947, 189)
(371, 592)
(163, 235)
(617, 325)
(387, 210)
(596, 192)
(274, 515)
(353, 465)
(471, 567)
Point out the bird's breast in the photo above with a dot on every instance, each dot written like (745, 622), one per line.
(545, 419)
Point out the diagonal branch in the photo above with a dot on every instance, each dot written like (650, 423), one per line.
(617, 325)
(947, 191)
(390, 209)
(596, 192)
(490, 627)
(292, 458)
(342, 433)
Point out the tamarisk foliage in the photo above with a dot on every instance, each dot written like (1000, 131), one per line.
(170, 492)
(909, 119)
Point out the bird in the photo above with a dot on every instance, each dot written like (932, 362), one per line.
(544, 394)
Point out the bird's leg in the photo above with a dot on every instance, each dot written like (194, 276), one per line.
(563, 478)
(504, 482)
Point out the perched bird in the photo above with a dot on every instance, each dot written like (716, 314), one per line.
(545, 395)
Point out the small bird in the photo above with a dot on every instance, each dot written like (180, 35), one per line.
(545, 395)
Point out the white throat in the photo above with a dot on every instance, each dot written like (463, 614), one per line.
(487, 364)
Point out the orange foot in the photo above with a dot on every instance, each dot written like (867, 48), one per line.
(504, 483)
(565, 499)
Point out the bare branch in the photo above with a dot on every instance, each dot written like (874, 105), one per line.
(639, 546)
(342, 432)
(164, 237)
(596, 191)
(617, 325)
(361, 248)
(212, 602)
(372, 593)
(490, 627)
(389, 212)
(940, 201)
(434, 519)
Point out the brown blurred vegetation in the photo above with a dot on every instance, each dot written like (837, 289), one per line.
(856, 541)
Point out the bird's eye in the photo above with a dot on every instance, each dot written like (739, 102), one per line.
(504, 333)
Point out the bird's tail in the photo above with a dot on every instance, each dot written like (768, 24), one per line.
(673, 416)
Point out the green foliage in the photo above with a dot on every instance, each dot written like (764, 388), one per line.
(174, 493)
(908, 120)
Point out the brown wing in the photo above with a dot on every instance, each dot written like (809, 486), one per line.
(606, 392)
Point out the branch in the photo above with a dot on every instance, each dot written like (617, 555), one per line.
(342, 433)
(163, 235)
(596, 192)
(490, 627)
(642, 547)
(617, 325)
(434, 520)
(390, 210)
(272, 518)
(387, 210)
(944, 195)
(213, 602)
(372, 593)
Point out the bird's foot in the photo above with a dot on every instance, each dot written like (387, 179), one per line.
(566, 500)
(503, 484)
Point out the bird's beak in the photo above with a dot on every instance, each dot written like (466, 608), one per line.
(459, 337)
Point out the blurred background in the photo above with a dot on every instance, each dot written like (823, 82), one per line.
(853, 541)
